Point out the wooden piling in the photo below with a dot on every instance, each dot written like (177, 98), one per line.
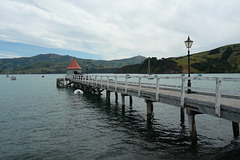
(123, 100)
(200, 101)
(108, 95)
(84, 88)
(116, 97)
(192, 126)
(130, 100)
(235, 127)
(98, 92)
(149, 108)
(61, 83)
(182, 115)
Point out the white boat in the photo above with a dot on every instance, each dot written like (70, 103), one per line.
(78, 91)
(13, 78)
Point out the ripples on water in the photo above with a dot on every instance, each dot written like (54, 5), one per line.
(40, 121)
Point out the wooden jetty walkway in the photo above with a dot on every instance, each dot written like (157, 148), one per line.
(212, 100)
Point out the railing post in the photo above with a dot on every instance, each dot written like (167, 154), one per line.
(64, 81)
(96, 80)
(139, 86)
(115, 83)
(218, 97)
(107, 82)
(126, 85)
(101, 81)
(157, 88)
(182, 99)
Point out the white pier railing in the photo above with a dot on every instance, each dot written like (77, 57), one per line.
(177, 83)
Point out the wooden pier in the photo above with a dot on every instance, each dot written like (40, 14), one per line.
(212, 100)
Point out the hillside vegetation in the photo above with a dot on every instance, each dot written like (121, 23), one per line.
(224, 59)
(53, 63)
(157, 66)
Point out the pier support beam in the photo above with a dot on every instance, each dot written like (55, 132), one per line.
(84, 88)
(182, 115)
(192, 125)
(149, 108)
(108, 93)
(235, 127)
(116, 97)
(90, 90)
(130, 101)
(123, 100)
(98, 92)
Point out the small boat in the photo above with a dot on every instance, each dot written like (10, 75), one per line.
(13, 78)
(78, 91)
(42, 76)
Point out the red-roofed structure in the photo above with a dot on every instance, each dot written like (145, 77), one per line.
(74, 68)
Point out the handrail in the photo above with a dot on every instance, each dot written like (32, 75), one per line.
(154, 82)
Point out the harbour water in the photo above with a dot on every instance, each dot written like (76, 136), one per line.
(40, 121)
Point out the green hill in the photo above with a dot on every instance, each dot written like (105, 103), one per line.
(158, 66)
(224, 59)
(53, 63)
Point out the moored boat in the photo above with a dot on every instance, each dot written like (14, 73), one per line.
(13, 78)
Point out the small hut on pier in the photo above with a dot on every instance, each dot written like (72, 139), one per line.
(74, 68)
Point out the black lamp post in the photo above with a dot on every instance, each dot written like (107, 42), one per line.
(188, 44)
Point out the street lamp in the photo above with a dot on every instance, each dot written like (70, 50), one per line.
(188, 44)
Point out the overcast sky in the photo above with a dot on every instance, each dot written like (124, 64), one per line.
(115, 29)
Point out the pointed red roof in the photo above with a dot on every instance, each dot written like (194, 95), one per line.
(74, 65)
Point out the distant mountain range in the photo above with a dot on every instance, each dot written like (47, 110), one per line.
(225, 59)
(53, 63)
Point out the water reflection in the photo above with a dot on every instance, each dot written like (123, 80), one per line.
(131, 118)
(142, 131)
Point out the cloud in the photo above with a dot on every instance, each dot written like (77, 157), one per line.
(119, 29)
(4, 54)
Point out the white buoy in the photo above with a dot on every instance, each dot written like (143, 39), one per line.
(78, 91)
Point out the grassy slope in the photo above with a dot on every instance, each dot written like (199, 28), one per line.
(234, 59)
